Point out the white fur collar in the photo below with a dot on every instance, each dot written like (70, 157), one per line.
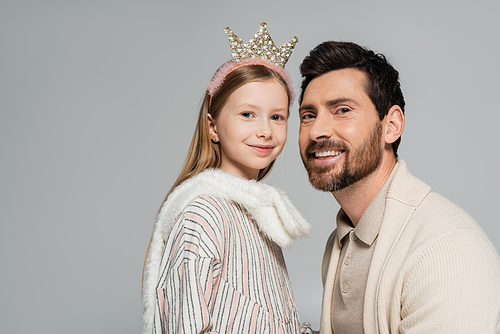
(276, 216)
(273, 212)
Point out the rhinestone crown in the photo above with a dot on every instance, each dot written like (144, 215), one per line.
(261, 45)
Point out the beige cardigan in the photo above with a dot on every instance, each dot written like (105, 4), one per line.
(433, 271)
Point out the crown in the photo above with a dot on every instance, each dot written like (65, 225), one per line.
(261, 45)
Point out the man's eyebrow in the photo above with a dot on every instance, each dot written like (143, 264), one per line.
(340, 100)
(307, 107)
(329, 103)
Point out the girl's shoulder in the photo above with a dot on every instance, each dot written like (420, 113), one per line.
(212, 208)
(214, 212)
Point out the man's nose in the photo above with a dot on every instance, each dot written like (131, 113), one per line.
(322, 128)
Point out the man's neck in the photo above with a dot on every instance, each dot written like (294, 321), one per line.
(355, 198)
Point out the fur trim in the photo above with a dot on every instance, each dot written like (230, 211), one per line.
(274, 213)
(226, 68)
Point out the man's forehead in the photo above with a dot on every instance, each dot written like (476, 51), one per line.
(334, 85)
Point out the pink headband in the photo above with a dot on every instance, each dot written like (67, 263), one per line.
(221, 74)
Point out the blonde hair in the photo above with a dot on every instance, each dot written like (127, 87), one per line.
(203, 153)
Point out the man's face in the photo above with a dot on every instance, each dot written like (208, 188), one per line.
(340, 132)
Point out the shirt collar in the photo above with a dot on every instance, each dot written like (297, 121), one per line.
(344, 225)
(368, 226)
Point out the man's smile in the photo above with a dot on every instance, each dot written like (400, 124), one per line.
(327, 154)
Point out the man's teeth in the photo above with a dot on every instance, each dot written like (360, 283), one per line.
(324, 154)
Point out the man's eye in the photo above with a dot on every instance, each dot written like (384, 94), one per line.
(308, 116)
(343, 110)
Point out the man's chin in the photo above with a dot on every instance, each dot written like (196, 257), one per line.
(321, 186)
(321, 180)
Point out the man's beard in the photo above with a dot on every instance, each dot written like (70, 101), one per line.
(358, 163)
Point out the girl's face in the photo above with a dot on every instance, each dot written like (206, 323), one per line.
(251, 127)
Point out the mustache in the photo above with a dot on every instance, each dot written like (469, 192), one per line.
(328, 145)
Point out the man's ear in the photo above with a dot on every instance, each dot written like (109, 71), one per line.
(394, 124)
(212, 128)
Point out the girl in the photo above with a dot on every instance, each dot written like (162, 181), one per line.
(214, 264)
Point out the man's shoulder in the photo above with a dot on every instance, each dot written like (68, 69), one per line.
(439, 212)
(439, 221)
(434, 216)
(429, 206)
(439, 232)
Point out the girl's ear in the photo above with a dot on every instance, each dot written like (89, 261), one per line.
(212, 128)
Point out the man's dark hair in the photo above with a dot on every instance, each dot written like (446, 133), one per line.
(382, 85)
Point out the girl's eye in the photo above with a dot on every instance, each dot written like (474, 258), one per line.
(277, 117)
(246, 114)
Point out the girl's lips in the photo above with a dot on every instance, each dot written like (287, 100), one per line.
(262, 148)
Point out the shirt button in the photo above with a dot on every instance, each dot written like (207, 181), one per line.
(354, 237)
(347, 259)
(345, 288)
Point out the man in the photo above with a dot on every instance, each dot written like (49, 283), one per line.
(402, 259)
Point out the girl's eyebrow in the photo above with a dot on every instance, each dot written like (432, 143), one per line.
(253, 106)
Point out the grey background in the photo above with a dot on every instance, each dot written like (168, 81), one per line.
(99, 100)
